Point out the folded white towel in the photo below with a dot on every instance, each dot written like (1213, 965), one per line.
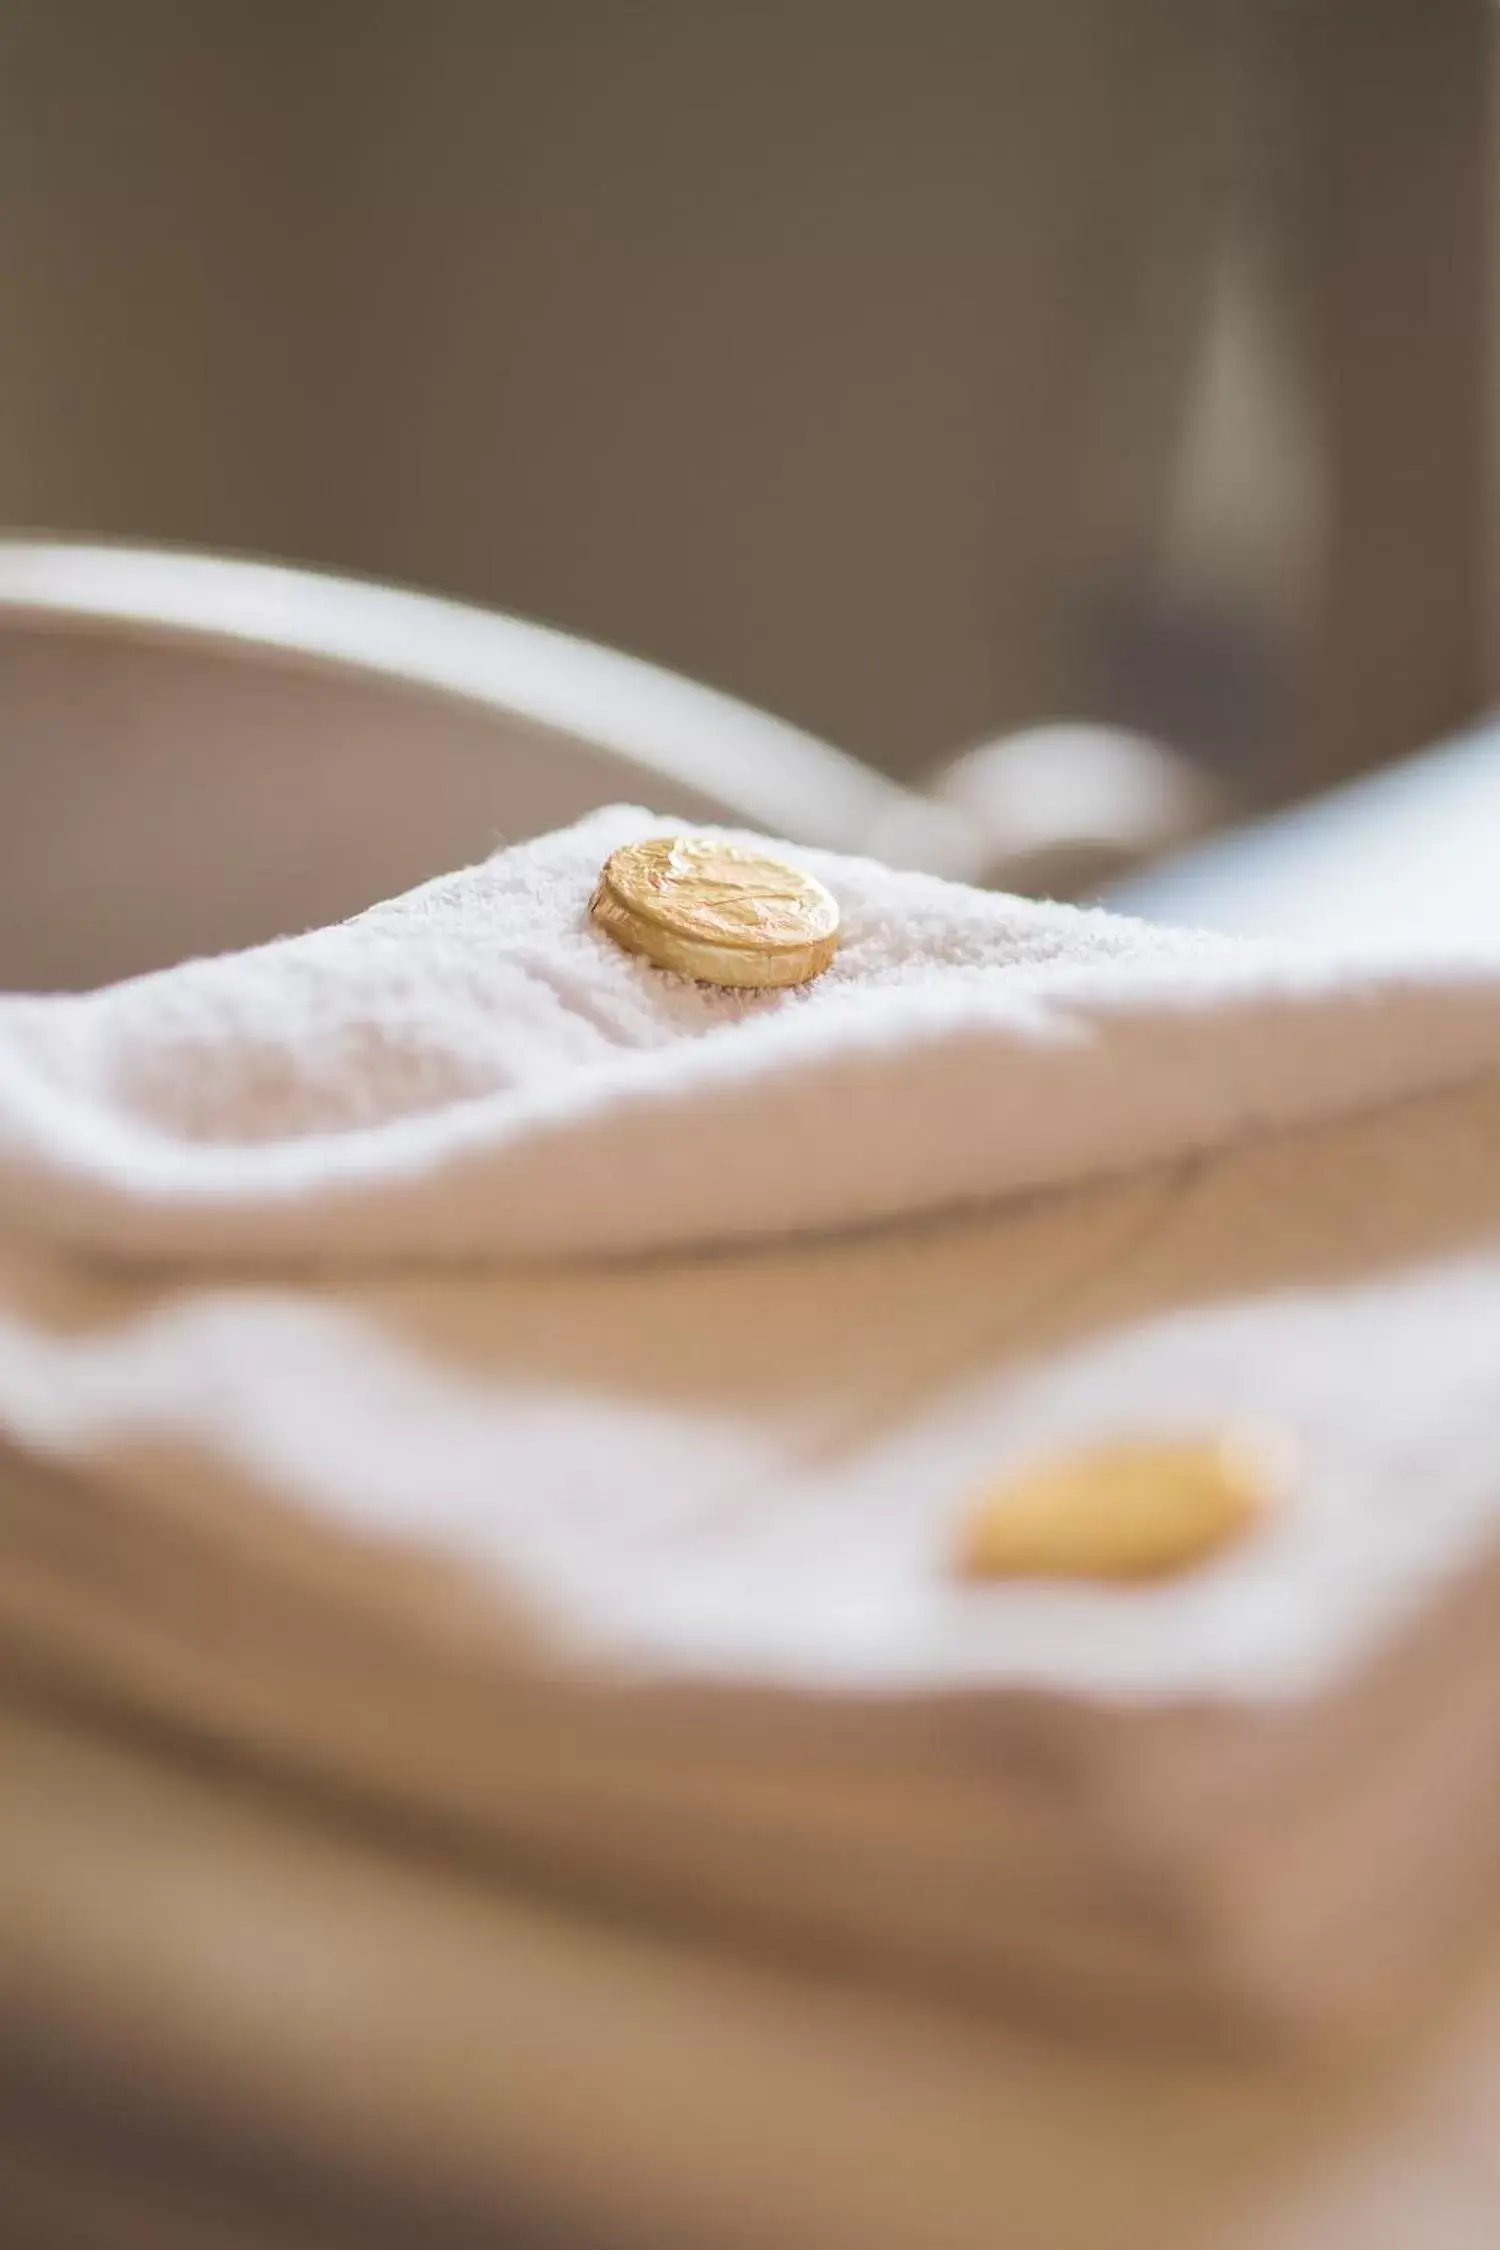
(475, 1070)
(642, 1563)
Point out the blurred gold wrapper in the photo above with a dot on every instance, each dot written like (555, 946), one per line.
(1132, 1508)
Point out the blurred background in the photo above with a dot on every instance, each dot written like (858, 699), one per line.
(913, 371)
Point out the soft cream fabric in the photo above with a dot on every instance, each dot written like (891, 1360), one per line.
(474, 1070)
(641, 1566)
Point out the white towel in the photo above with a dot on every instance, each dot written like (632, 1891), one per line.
(373, 1399)
(475, 1070)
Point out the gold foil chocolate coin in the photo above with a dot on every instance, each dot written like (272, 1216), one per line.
(716, 912)
(1136, 1508)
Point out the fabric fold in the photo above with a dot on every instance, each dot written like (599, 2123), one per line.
(475, 1071)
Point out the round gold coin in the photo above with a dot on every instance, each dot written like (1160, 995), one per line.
(1137, 1508)
(716, 912)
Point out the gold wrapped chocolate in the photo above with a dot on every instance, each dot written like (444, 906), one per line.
(1137, 1508)
(716, 912)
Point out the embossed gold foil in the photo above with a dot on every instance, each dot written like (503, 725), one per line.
(716, 912)
(1136, 1508)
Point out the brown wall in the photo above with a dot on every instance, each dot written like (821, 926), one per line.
(750, 339)
(832, 350)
